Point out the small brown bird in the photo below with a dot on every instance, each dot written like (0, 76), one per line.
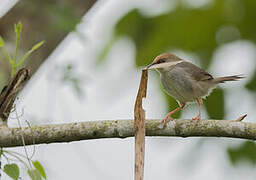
(184, 81)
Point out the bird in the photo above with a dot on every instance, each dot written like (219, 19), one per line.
(185, 81)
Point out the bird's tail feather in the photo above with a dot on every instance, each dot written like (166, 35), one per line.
(227, 78)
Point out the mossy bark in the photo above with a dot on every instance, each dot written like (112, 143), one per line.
(54, 133)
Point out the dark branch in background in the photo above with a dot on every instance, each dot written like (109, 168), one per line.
(11, 137)
(42, 20)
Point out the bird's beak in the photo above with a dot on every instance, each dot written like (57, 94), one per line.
(150, 66)
(163, 65)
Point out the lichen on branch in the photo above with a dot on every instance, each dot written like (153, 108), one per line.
(54, 133)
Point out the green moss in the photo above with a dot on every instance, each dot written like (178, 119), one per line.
(252, 131)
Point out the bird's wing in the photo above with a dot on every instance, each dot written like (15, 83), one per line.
(195, 72)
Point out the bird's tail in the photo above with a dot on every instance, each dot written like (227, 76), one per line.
(227, 78)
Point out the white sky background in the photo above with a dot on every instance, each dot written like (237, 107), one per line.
(110, 90)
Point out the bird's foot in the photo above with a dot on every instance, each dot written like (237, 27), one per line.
(195, 119)
(166, 119)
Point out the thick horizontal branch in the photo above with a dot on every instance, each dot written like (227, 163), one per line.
(11, 137)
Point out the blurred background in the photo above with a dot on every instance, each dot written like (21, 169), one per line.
(90, 66)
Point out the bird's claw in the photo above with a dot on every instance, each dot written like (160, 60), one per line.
(166, 119)
(242, 117)
(196, 118)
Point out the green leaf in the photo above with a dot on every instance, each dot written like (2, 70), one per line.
(39, 168)
(38, 45)
(18, 28)
(35, 47)
(12, 170)
(245, 151)
(215, 104)
(1, 42)
(34, 174)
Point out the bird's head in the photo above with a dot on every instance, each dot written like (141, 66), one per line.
(164, 62)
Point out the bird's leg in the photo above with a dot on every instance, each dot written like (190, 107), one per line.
(182, 105)
(200, 103)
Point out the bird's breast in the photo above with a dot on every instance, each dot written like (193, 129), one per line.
(178, 85)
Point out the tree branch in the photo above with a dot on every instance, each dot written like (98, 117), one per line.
(11, 137)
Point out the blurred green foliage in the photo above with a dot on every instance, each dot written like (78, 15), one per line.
(189, 29)
(172, 104)
(245, 152)
(61, 16)
(64, 15)
(69, 76)
(252, 84)
(215, 104)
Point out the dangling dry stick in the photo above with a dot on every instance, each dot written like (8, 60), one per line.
(139, 128)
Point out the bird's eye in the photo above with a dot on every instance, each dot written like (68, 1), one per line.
(161, 61)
